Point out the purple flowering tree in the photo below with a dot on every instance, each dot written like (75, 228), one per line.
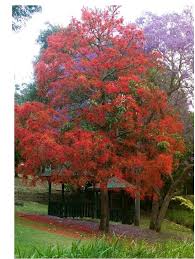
(173, 36)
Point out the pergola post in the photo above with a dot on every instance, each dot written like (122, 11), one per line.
(95, 203)
(63, 202)
(123, 212)
(137, 209)
(63, 198)
(49, 196)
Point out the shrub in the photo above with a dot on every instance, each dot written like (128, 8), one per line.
(182, 217)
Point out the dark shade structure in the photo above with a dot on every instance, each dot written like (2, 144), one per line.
(85, 203)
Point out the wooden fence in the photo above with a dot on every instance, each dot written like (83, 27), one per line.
(121, 207)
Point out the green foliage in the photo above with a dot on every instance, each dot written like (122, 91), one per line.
(27, 93)
(78, 97)
(169, 226)
(44, 34)
(178, 155)
(190, 197)
(182, 217)
(17, 157)
(182, 211)
(163, 146)
(88, 126)
(111, 248)
(41, 187)
(67, 126)
(110, 75)
(113, 118)
(186, 203)
(21, 13)
(153, 74)
(120, 110)
(33, 207)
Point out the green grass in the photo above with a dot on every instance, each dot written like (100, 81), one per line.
(29, 239)
(169, 227)
(40, 187)
(108, 248)
(182, 217)
(32, 207)
(31, 242)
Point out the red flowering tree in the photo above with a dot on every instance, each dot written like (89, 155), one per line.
(37, 139)
(93, 74)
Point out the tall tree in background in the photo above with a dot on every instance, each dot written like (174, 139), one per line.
(173, 36)
(21, 13)
(27, 93)
(44, 34)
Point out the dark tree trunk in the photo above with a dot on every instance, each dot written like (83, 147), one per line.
(162, 211)
(104, 217)
(159, 213)
(154, 214)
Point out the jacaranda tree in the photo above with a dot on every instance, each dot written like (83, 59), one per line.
(173, 36)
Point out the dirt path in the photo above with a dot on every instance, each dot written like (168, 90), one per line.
(77, 228)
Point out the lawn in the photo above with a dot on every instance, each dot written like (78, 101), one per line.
(181, 216)
(167, 226)
(41, 187)
(32, 207)
(32, 241)
(170, 227)
(28, 240)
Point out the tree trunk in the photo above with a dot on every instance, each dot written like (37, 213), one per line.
(165, 202)
(154, 214)
(137, 209)
(104, 217)
(162, 211)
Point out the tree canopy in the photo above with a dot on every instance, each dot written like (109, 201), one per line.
(94, 74)
(21, 13)
(104, 115)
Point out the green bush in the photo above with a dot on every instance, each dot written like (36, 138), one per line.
(182, 217)
(183, 202)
